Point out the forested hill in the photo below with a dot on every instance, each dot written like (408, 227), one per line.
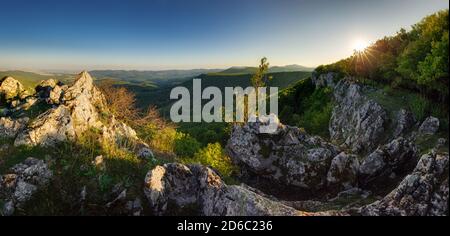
(416, 60)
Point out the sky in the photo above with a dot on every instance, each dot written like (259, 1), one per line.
(73, 35)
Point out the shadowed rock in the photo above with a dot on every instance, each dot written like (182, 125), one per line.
(175, 189)
(289, 156)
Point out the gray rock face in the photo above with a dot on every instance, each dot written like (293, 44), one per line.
(10, 88)
(356, 121)
(423, 192)
(178, 189)
(24, 180)
(397, 156)
(9, 128)
(324, 80)
(429, 126)
(289, 156)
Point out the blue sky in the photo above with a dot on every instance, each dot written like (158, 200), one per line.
(165, 34)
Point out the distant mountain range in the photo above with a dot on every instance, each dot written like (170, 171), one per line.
(148, 78)
(273, 69)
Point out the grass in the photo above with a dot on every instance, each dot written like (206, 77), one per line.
(392, 100)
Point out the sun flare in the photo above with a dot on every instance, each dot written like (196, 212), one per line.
(360, 45)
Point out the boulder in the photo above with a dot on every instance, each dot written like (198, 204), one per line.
(343, 172)
(24, 179)
(49, 128)
(10, 88)
(429, 126)
(9, 127)
(356, 121)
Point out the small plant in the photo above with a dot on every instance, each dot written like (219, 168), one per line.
(213, 155)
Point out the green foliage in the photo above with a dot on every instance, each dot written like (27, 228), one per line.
(213, 155)
(185, 145)
(206, 133)
(419, 106)
(317, 112)
(260, 78)
(305, 106)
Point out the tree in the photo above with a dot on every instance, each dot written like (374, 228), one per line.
(260, 78)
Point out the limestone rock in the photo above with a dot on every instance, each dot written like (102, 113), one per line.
(356, 121)
(51, 91)
(49, 128)
(178, 189)
(10, 88)
(289, 156)
(343, 172)
(9, 128)
(77, 109)
(25, 179)
(429, 126)
(398, 156)
(421, 193)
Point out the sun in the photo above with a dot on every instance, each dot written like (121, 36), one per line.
(360, 45)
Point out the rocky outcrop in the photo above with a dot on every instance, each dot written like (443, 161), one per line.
(9, 128)
(23, 181)
(289, 156)
(429, 126)
(10, 88)
(421, 193)
(78, 109)
(356, 121)
(176, 189)
(64, 122)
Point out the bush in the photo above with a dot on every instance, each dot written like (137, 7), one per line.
(305, 106)
(213, 155)
(185, 145)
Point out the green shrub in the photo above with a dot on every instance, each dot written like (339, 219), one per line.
(185, 145)
(305, 106)
(213, 155)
